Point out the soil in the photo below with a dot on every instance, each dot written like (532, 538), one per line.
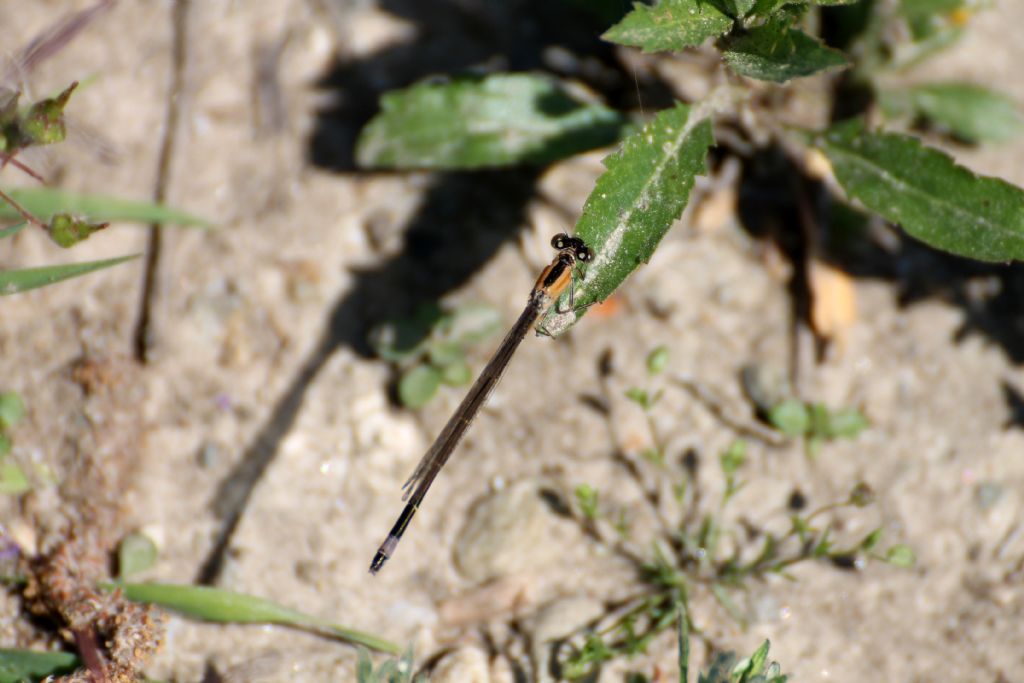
(259, 371)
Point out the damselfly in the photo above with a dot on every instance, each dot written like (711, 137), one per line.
(553, 281)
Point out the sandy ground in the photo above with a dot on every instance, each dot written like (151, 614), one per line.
(259, 356)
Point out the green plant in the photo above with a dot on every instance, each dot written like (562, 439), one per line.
(394, 670)
(698, 549)
(687, 555)
(461, 123)
(42, 123)
(430, 348)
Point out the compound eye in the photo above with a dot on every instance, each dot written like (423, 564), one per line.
(559, 240)
(583, 254)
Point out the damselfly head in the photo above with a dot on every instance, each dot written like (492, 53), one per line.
(561, 241)
(579, 249)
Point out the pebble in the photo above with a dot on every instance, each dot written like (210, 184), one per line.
(505, 534)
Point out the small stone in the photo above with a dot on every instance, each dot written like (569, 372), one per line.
(464, 665)
(505, 534)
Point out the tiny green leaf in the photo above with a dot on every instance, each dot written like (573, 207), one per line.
(653, 455)
(136, 553)
(927, 193)
(214, 604)
(17, 666)
(733, 457)
(669, 25)
(418, 385)
(12, 409)
(43, 124)
(633, 204)
(971, 113)
(47, 201)
(846, 423)
(776, 52)
(15, 281)
(640, 397)
(443, 353)
(900, 556)
(456, 374)
(871, 540)
(12, 230)
(790, 417)
(67, 231)
(862, 495)
(682, 640)
(491, 121)
(753, 665)
(586, 498)
(13, 481)
(657, 360)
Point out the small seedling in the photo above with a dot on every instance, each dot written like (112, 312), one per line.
(394, 670)
(431, 347)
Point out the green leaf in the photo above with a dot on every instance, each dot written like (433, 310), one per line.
(12, 409)
(900, 556)
(456, 373)
(969, 112)
(682, 640)
(5, 445)
(657, 360)
(67, 231)
(15, 281)
(418, 385)
(732, 8)
(753, 665)
(443, 353)
(594, 653)
(924, 10)
(923, 190)
(47, 201)
(634, 203)
(12, 230)
(478, 122)
(669, 25)
(213, 604)
(846, 423)
(871, 540)
(861, 495)
(13, 481)
(23, 665)
(734, 457)
(776, 52)
(136, 553)
(791, 417)
(586, 498)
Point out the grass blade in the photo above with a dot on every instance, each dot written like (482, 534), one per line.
(213, 604)
(683, 642)
(15, 281)
(47, 201)
(12, 230)
(22, 665)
